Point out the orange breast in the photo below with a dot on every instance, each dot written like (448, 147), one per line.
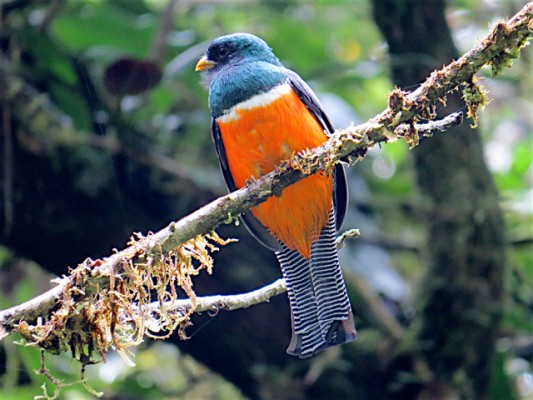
(256, 140)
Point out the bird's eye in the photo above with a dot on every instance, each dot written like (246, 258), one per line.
(223, 52)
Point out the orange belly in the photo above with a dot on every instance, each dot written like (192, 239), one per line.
(256, 140)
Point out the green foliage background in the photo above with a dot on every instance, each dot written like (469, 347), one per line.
(336, 47)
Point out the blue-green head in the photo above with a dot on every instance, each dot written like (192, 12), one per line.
(237, 67)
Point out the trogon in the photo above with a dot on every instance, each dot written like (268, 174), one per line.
(262, 113)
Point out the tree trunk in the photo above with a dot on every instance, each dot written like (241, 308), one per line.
(461, 298)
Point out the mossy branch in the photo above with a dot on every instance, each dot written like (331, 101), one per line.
(99, 301)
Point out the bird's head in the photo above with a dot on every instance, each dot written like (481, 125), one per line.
(236, 67)
(230, 50)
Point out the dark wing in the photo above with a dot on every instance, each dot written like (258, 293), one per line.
(258, 231)
(307, 96)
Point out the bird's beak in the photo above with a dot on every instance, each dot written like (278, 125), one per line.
(204, 64)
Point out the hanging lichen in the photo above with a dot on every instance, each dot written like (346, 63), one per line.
(128, 302)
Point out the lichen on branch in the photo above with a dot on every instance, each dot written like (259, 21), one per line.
(99, 314)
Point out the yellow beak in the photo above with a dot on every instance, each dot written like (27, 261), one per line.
(204, 64)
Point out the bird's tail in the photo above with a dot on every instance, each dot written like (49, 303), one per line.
(321, 312)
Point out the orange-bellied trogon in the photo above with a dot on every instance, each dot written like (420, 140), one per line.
(262, 114)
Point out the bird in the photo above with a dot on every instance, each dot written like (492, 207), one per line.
(262, 113)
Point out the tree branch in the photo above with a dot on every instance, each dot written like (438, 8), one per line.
(228, 302)
(183, 241)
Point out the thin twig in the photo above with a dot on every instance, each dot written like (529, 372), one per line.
(427, 129)
(227, 302)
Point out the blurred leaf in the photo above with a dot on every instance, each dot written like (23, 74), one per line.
(501, 387)
(72, 104)
(46, 58)
(515, 179)
(93, 24)
(129, 76)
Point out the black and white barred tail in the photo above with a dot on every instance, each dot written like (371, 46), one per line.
(321, 311)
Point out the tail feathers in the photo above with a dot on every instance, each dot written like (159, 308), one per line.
(328, 283)
(297, 273)
(310, 342)
(321, 311)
